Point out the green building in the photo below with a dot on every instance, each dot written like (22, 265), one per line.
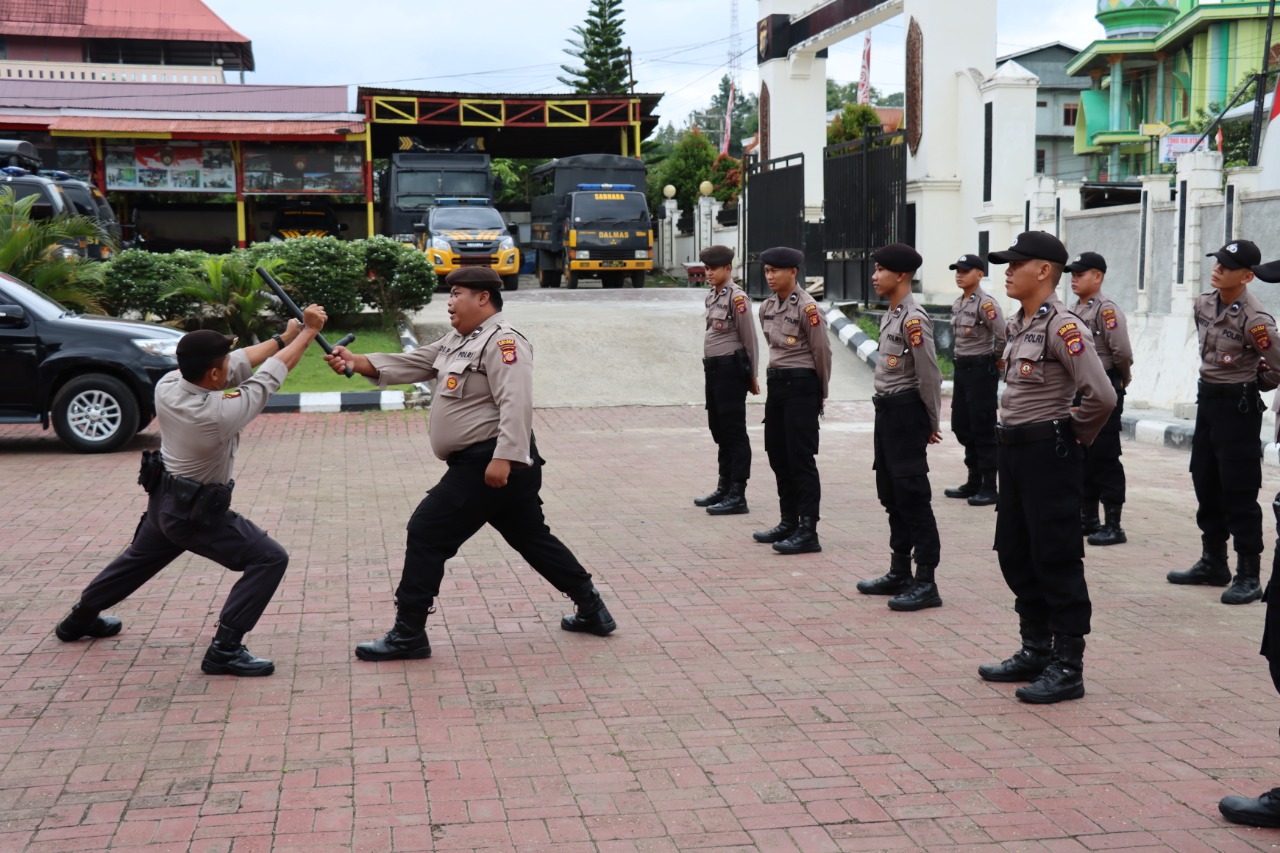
(1161, 62)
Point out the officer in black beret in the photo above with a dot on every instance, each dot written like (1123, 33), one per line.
(908, 396)
(799, 368)
(1236, 335)
(729, 365)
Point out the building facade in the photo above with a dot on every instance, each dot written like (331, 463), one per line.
(1057, 109)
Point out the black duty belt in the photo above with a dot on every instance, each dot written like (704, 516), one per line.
(481, 450)
(1209, 390)
(791, 373)
(975, 360)
(1061, 428)
(898, 398)
(716, 362)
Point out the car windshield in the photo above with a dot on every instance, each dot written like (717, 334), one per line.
(105, 213)
(609, 207)
(308, 219)
(81, 199)
(421, 189)
(460, 218)
(33, 300)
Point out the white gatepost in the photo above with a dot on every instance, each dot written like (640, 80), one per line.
(667, 235)
(1199, 176)
(1155, 190)
(1038, 206)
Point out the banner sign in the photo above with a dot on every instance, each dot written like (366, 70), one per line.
(302, 168)
(171, 167)
(1174, 144)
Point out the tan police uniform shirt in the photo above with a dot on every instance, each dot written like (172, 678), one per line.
(1110, 333)
(200, 429)
(907, 357)
(730, 325)
(1234, 338)
(978, 324)
(485, 388)
(1048, 360)
(796, 331)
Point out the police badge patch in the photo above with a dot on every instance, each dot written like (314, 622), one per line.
(1070, 334)
(1109, 318)
(791, 340)
(508, 348)
(1260, 336)
(891, 361)
(1026, 368)
(915, 332)
(740, 302)
(451, 383)
(989, 308)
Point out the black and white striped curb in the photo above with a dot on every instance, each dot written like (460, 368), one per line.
(1178, 435)
(851, 336)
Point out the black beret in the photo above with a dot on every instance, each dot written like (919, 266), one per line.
(969, 262)
(1238, 255)
(781, 257)
(1267, 272)
(1032, 246)
(1087, 261)
(716, 256)
(897, 257)
(474, 278)
(205, 344)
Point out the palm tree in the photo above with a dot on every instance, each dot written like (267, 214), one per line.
(36, 251)
(229, 293)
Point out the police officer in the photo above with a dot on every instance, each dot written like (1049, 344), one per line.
(908, 396)
(729, 362)
(799, 367)
(978, 324)
(1049, 359)
(1103, 471)
(201, 408)
(1236, 333)
(482, 427)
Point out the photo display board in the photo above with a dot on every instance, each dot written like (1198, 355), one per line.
(171, 167)
(301, 168)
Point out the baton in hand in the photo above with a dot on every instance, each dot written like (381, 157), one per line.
(293, 309)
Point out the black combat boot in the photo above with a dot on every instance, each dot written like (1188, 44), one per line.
(970, 487)
(1028, 662)
(1063, 678)
(591, 616)
(986, 495)
(897, 581)
(734, 503)
(1089, 521)
(1211, 569)
(922, 593)
(782, 530)
(1111, 533)
(1246, 587)
(721, 489)
(407, 639)
(86, 623)
(228, 656)
(803, 541)
(1263, 810)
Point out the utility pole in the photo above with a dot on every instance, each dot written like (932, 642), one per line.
(631, 74)
(1255, 136)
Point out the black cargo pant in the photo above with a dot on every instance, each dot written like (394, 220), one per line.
(460, 504)
(902, 475)
(1103, 470)
(1271, 627)
(791, 438)
(164, 534)
(726, 389)
(1038, 537)
(973, 410)
(1226, 465)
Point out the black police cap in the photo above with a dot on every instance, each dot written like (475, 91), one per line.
(716, 256)
(474, 278)
(1269, 272)
(1087, 261)
(781, 257)
(1032, 246)
(1238, 255)
(897, 257)
(205, 344)
(969, 262)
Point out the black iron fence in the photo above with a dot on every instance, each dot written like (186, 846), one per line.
(773, 213)
(865, 192)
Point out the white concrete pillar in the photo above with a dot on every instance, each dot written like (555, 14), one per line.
(1117, 121)
(704, 223)
(1199, 176)
(667, 235)
(1039, 196)
(1155, 190)
(1066, 200)
(1240, 180)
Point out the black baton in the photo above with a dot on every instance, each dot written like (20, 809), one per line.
(293, 309)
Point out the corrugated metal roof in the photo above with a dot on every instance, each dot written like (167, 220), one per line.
(200, 129)
(177, 20)
(183, 97)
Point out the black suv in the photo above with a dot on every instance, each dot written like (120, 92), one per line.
(304, 218)
(89, 201)
(94, 377)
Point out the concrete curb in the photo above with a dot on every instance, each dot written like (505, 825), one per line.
(851, 336)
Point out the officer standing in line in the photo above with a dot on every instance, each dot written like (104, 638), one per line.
(979, 329)
(1103, 471)
(1236, 333)
(729, 362)
(482, 426)
(799, 367)
(1048, 361)
(908, 396)
(189, 489)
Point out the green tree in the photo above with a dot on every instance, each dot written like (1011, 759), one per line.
(726, 178)
(599, 48)
(399, 277)
(1235, 134)
(851, 123)
(33, 251)
(228, 295)
(688, 166)
(894, 99)
(744, 122)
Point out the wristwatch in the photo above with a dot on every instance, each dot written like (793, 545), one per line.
(279, 341)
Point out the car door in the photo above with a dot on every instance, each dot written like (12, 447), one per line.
(19, 358)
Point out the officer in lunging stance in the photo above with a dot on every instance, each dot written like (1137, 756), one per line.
(729, 362)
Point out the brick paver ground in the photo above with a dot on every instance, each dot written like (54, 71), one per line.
(748, 701)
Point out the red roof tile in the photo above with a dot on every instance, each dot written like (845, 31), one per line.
(191, 129)
(175, 20)
(172, 97)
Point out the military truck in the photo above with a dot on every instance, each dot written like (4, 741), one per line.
(591, 220)
(416, 180)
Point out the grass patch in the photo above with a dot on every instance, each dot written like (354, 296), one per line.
(312, 374)
(869, 326)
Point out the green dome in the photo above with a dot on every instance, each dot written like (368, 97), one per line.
(1136, 18)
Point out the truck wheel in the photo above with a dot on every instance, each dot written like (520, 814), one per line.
(95, 414)
(611, 279)
(574, 278)
(637, 278)
(549, 278)
(510, 282)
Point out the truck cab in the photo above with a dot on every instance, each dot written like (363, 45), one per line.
(467, 231)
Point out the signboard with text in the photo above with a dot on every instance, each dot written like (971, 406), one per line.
(1174, 144)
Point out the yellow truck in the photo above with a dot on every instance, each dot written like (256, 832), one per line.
(459, 232)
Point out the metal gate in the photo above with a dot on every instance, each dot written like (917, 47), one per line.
(864, 185)
(773, 213)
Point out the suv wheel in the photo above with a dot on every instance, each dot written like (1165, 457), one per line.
(95, 414)
(510, 282)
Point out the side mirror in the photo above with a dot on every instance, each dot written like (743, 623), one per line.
(513, 228)
(342, 226)
(419, 228)
(12, 317)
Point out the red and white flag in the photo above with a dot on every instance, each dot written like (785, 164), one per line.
(864, 81)
(1269, 156)
(728, 122)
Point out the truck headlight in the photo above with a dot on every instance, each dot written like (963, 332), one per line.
(439, 244)
(507, 244)
(642, 254)
(162, 347)
(583, 255)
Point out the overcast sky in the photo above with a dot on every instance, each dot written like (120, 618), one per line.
(680, 47)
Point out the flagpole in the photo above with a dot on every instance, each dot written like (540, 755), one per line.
(1255, 136)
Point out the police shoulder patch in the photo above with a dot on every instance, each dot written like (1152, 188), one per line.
(1109, 318)
(915, 332)
(1260, 336)
(507, 346)
(1072, 337)
(810, 308)
(989, 308)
